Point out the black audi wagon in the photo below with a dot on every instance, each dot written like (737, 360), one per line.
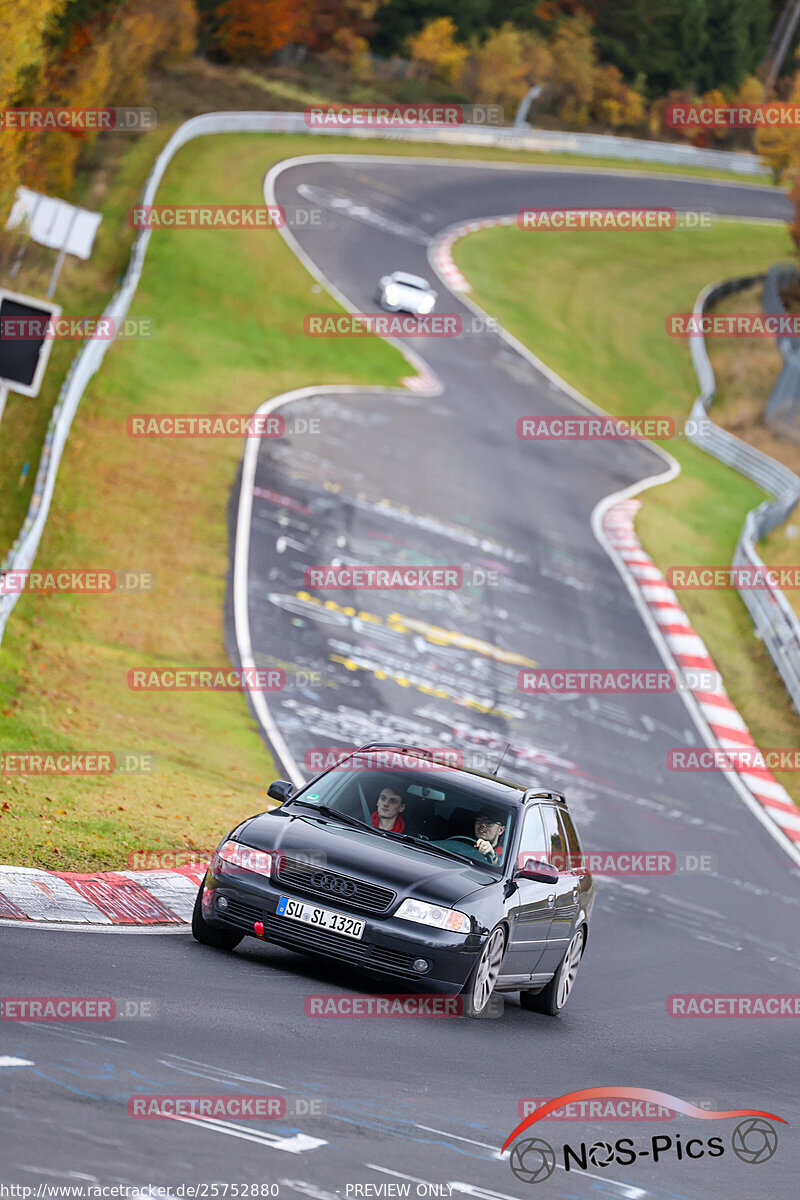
(447, 879)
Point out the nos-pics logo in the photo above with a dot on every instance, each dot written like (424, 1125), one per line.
(754, 1139)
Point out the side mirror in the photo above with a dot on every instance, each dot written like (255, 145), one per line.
(281, 790)
(541, 872)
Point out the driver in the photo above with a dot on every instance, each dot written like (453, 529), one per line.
(389, 805)
(488, 828)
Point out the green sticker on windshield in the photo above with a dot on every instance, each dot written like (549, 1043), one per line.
(312, 796)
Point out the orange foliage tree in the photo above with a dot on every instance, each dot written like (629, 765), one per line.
(22, 52)
(256, 28)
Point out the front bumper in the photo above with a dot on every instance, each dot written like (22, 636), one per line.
(387, 947)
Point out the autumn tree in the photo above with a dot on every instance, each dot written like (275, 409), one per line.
(435, 52)
(574, 66)
(256, 28)
(98, 54)
(501, 73)
(779, 146)
(613, 102)
(22, 52)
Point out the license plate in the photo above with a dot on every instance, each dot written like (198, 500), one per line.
(320, 918)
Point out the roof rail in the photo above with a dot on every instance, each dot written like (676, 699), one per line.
(545, 794)
(420, 751)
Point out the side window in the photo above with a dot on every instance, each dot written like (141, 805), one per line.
(573, 845)
(533, 843)
(555, 841)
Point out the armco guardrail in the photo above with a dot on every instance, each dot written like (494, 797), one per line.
(773, 616)
(87, 362)
(784, 399)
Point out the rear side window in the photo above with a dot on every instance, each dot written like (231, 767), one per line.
(573, 845)
(555, 840)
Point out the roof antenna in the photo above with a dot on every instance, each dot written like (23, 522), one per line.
(502, 756)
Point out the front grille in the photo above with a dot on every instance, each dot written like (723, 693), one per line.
(369, 897)
(323, 940)
(303, 937)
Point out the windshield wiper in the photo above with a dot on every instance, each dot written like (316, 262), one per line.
(345, 818)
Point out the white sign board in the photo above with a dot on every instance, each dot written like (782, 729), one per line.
(55, 223)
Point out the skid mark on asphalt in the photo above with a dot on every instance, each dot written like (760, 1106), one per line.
(362, 212)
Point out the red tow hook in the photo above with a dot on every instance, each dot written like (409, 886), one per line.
(258, 929)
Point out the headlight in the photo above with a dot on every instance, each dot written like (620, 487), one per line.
(426, 305)
(391, 295)
(246, 857)
(432, 914)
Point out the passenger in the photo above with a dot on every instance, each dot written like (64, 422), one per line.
(488, 828)
(390, 804)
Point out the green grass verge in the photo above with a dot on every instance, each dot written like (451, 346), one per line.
(228, 309)
(593, 307)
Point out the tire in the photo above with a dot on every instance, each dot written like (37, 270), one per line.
(552, 998)
(478, 989)
(207, 935)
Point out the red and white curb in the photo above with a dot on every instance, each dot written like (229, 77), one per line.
(690, 652)
(108, 898)
(441, 252)
(425, 383)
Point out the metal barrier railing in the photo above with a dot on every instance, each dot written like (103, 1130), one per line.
(775, 621)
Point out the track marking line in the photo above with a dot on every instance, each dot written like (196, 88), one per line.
(298, 1143)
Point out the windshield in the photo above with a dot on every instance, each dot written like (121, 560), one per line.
(432, 804)
(411, 281)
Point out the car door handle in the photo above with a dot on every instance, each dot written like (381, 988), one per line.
(551, 900)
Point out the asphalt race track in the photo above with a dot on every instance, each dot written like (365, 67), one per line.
(409, 479)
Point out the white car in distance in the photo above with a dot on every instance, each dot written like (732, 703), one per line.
(400, 292)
